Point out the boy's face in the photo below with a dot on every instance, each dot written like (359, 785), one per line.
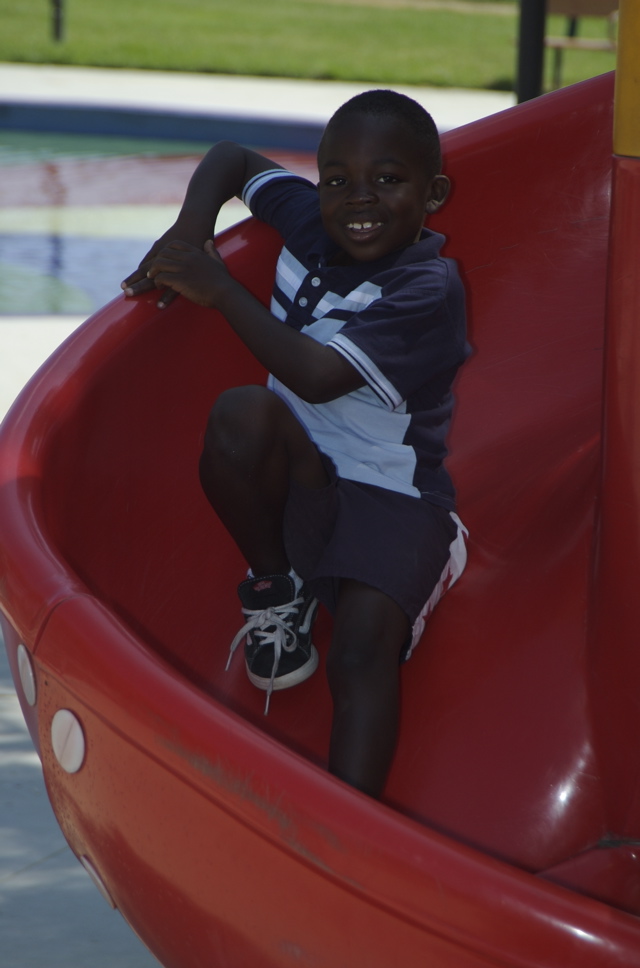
(373, 189)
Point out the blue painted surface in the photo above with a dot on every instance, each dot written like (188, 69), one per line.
(59, 274)
(150, 123)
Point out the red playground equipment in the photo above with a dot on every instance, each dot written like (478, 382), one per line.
(509, 834)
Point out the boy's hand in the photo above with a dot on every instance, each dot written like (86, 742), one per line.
(221, 174)
(139, 281)
(183, 268)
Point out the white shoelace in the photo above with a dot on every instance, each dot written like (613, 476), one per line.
(271, 627)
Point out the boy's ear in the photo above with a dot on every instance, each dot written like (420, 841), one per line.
(439, 190)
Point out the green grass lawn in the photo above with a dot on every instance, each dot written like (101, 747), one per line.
(469, 44)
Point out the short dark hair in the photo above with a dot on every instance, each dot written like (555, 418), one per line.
(392, 104)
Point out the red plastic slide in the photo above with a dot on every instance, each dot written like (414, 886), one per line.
(510, 828)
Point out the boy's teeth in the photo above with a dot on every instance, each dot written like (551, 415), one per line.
(359, 226)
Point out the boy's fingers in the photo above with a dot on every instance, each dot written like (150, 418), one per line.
(137, 276)
(166, 298)
(145, 285)
(173, 258)
(140, 274)
(167, 262)
(135, 288)
(133, 278)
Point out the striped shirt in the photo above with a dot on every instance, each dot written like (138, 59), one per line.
(400, 322)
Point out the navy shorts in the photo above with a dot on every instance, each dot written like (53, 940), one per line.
(408, 548)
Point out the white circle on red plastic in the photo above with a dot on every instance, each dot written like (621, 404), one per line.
(67, 739)
(27, 675)
(97, 880)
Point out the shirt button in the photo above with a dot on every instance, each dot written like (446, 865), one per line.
(315, 281)
(303, 301)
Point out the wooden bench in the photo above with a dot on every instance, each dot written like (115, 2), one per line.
(573, 10)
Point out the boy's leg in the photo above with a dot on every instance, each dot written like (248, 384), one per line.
(253, 446)
(370, 630)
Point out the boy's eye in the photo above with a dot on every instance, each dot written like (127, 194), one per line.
(339, 181)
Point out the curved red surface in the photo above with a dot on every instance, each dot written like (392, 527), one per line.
(509, 828)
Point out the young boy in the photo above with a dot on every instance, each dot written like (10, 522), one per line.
(331, 478)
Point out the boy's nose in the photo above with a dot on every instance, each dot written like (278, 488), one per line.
(362, 191)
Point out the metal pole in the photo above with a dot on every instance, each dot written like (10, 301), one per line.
(58, 19)
(530, 49)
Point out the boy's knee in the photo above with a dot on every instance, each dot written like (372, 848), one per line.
(250, 425)
(240, 405)
(238, 416)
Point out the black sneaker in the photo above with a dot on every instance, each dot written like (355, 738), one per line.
(278, 649)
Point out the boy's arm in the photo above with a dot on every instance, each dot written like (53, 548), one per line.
(316, 373)
(221, 175)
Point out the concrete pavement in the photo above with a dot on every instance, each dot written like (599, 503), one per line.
(271, 99)
(51, 915)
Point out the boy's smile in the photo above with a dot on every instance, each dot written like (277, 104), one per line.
(374, 189)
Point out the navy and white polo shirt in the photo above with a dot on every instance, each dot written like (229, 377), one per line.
(399, 320)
